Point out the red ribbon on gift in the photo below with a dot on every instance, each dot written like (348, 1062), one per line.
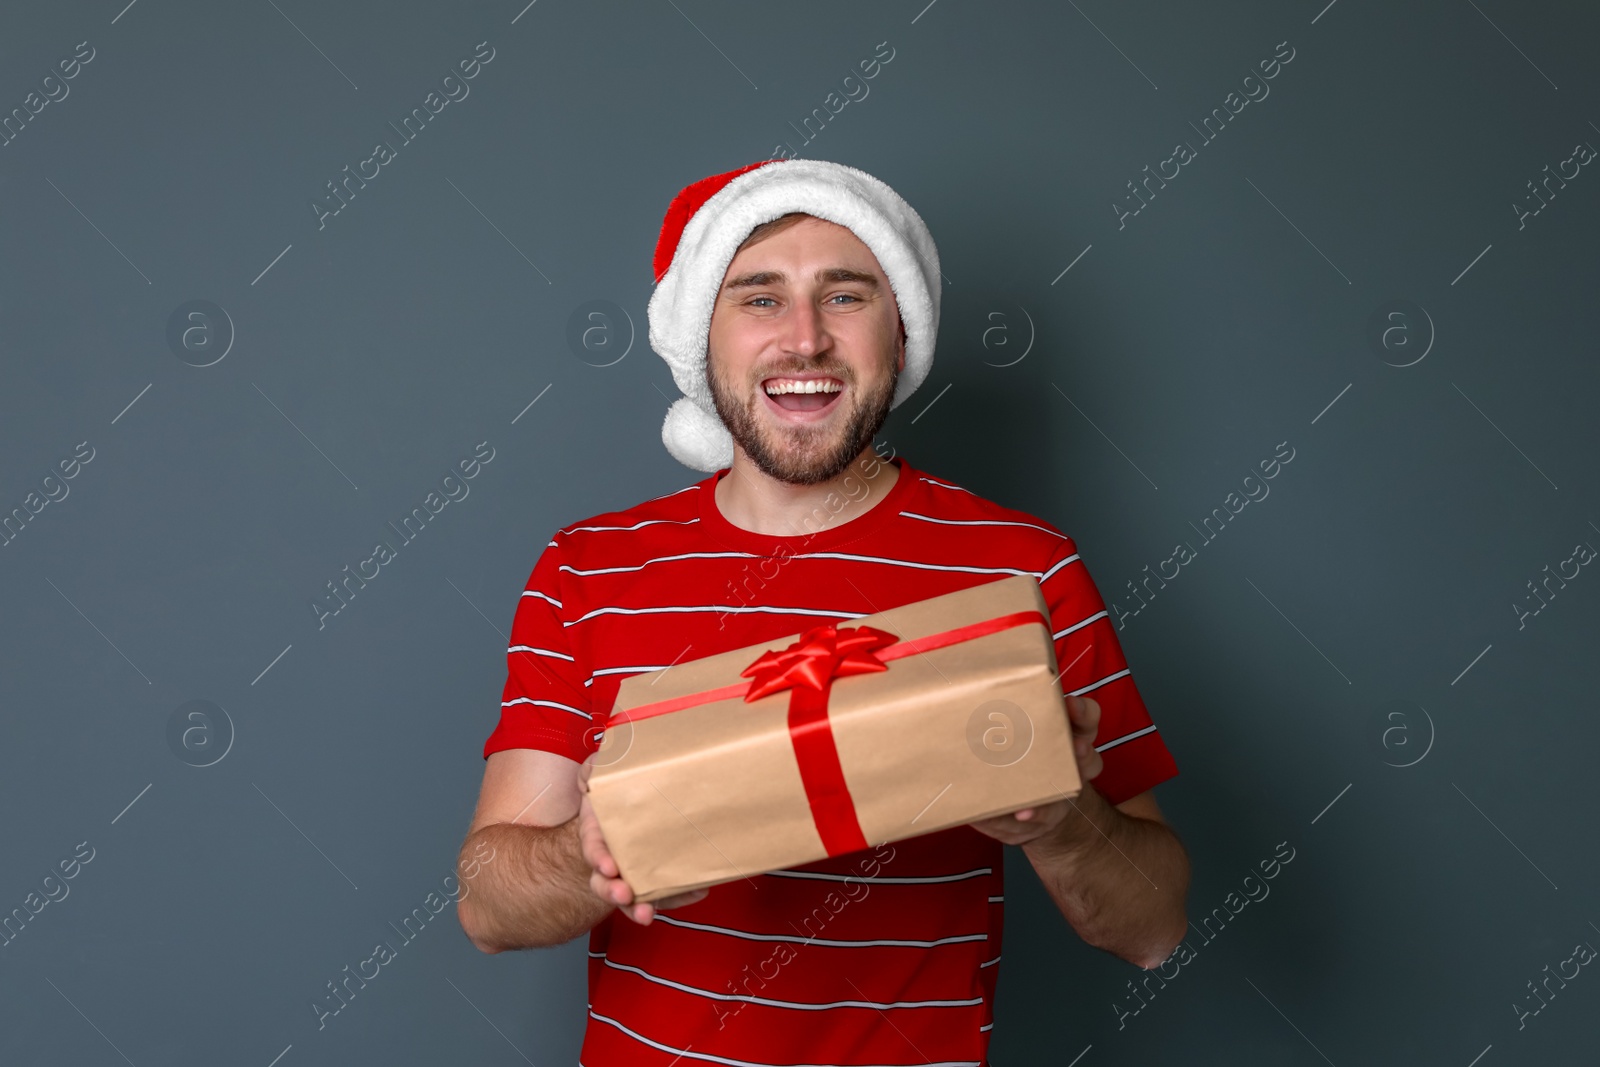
(807, 668)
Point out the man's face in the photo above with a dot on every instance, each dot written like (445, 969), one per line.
(806, 308)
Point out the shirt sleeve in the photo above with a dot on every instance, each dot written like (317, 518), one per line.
(1092, 665)
(544, 704)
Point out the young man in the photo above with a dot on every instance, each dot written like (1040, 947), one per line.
(797, 303)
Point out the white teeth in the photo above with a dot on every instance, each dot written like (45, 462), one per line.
(812, 385)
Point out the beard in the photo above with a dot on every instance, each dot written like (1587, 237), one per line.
(804, 455)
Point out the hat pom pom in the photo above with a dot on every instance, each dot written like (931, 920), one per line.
(696, 438)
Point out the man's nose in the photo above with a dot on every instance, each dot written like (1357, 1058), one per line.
(807, 329)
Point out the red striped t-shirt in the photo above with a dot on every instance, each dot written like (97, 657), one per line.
(885, 956)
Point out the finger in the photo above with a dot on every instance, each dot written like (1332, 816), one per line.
(594, 848)
(586, 848)
(642, 911)
(620, 891)
(605, 878)
(611, 890)
(593, 843)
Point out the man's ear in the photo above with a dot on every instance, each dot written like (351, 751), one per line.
(900, 361)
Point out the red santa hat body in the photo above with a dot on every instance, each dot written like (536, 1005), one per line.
(704, 226)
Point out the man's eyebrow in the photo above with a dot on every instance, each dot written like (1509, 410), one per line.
(757, 279)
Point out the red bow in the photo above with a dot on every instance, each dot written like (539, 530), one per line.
(807, 669)
(818, 656)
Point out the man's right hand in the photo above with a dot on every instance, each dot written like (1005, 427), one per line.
(606, 878)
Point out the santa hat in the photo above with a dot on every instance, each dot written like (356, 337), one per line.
(705, 225)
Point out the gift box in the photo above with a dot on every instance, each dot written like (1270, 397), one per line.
(839, 738)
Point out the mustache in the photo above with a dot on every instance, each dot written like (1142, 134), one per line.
(843, 373)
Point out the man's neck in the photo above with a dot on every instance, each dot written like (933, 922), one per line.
(752, 500)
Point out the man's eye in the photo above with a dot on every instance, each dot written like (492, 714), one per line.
(755, 300)
(847, 296)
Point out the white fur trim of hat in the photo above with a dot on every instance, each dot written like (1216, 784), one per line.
(721, 211)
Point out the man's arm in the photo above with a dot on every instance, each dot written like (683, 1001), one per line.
(1118, 873)
(535, 870)
(535, 891)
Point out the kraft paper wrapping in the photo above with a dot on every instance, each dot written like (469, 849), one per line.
(712, 793)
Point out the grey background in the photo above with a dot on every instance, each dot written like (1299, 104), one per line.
(371, 355)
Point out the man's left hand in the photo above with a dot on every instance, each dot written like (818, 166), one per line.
(1021, 827)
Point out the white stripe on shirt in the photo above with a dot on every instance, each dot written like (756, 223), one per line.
(628, 670)
(799, 1005)
(540, 651)
(876, 942)
(660, 559)
(724, 608)
(541, 596)
(1059, 634)
(982, 522)
(910, 563)
(943, 485)
(1058, 565)
(675, 492)
(729, 1062)
(635, 526)
(1097, 685)
(547, 704)
(808, 555)
(648, 522)
(882, 879)
(1114, 742)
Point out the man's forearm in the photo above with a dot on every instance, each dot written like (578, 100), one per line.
(1121, 881)
(536, 892)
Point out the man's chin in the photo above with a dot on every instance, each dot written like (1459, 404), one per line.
(797, 458)
(801, 435)
(801, 455)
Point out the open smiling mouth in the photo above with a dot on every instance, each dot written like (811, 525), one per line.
(805, 398)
